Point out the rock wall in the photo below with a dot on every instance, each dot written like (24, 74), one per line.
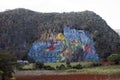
(72, 45)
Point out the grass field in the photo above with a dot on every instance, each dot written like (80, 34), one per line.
(72, 64)
(29, 66)
(110, 69)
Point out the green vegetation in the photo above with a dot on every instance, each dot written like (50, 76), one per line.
(39, 65)
(61, 67)
(7, 61)
(1, 72)
(75, 65)
(111, 69)
(78, 66)
(114, 58)
(28, 67)
(59, 63)
(68, 65)
(49, 66)
(82, 67)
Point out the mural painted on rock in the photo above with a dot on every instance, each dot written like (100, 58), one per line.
(72, 45)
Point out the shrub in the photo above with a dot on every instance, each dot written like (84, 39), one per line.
(61, 67)
(49, 68)
(39, 65)
(20, 66)
(13, 78)
(87, 65)
(78, 66)
(95, 64)
(114, 58)
(57, 67)
(68, 65)
(6, 63)
(1, 72)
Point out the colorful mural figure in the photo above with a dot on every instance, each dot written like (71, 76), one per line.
(72, 45)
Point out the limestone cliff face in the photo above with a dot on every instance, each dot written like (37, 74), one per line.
(70, 46)
(19, 28)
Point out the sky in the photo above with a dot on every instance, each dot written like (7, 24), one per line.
(109, 10)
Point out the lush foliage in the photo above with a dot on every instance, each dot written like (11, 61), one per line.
(114, 58)
(61, 67)
(78, 66)
(1, 72)
(49, 68)
(68, 65)
(40, 65)
(7, 60)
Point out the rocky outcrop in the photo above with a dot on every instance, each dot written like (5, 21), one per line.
(19, 28)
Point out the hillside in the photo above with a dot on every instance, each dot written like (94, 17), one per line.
(19, 28)
(118, 31)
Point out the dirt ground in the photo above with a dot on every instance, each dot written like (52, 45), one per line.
(52, 75)
(70, 77)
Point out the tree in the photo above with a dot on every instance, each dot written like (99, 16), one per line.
(68, 65)
(114, 58)
(6, 63)
(78, 66)
(39, 65)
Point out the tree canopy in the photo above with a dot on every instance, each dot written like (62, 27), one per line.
(6, 63)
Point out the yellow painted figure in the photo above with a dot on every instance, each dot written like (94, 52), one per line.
(60, 37)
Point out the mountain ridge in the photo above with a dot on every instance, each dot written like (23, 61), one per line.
(19, 28)
(118, 31)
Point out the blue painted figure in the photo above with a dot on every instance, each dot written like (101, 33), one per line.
(73, 45)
